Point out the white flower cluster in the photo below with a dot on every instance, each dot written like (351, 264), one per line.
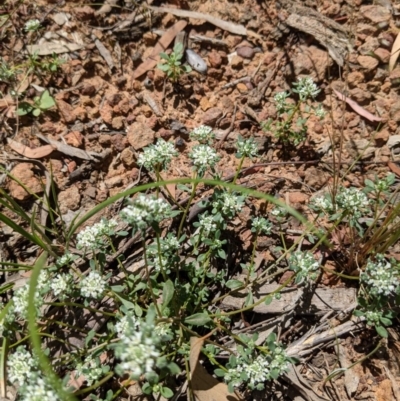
(137, 349)
(93, 285)
(90, 369)
(21, 366)
(144, 211)
(261, 225)
(279, 212)
(159, 154)
(207, 224)
(380, 276)
(280, 101)
(352, 200)
(203, 157)
(92, 238)
(306, 88)
(304, 264)
(204, 134)
(125, 323)
(228, 203)
(32, 25)
(163, 258)
(246, 147)
(62, 285)
(39, 390)
(322, 203)
(66, 259)
(19, 308)
(373, 318)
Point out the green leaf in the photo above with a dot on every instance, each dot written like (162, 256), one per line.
(118, 288)
(249, 299)
(163, 67)
(128, 304)
(168, 292)
(178, 48)
(24, 108)
(198, 319)
(233, 284)
(164, 56)
(219, 372)
(385, 321)
(381, 331)
(46, 100)
(36, 112)
(268, 300)
(166, 392)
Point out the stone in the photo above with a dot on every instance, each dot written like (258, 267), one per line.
(66, 111)
(236, 62)
(376, 14)
(83, 13)
(80, 113)
(298, 197)
(355, 78)
(88, 89)
(360, 96)
(311, 61)
(128, 158)
(382, 54)
(215, 59)
(381, 137)
(69, 199)
(140, 135)
(368, 47)
(74, 138)
(105, 140)
(24, 173)
(211, 116)
(245, 52)
(241, 87)
(106, 113)
(368, 62)
(269, 57)
(117, 122)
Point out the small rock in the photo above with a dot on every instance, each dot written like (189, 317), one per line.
(395, 76)
(381, 137)
(195, 61)
(355, 78)
(269, 57)
(215, 59)
(360, 148)
(236, 62)
(69, 199)
(245, 52)
(80, 113)
(383, 54)
(150, 38)
(88, 89)
(74, 138)
(205, 103)
(376, 14)
(360, 96)
(140, 135)
(23, 172)
(128, 158)
(315, 177)
(83, 13)
(91, 192)
(211, 116)
(393, 141)
(60, 18)
(242, 88)
(106, 113)
(117, 122)
(105, 140)
(368, 62)
(124, 106)
(368, 47)
(366, 30)
(297, 197)
(312, 61)
(119, 142)
(215, 73)
(66, 110)
(114, 99)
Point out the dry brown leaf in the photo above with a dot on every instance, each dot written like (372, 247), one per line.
(357, 108)
(394, 55)
(48, 48)
(225, 25)
(204, 386)
(394, 168)
(6, 101)
(36, 153)
(161, 46)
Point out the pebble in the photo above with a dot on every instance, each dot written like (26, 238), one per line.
(245, 52)
(211, 116)
(195, 61)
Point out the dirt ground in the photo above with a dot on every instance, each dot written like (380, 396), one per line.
(112, 101)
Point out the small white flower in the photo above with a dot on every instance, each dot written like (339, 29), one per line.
(39, 390)
(61, 285)
(306, 88)
(203, 134)
(93, 285)
(207, 224)
(160, 154)
(246, 148)
(90, 369)
(279, 212)
(280, 101)
(319, 111)
(228, 203)
(352, 200)
(32, 25)
(262, 225)
(91, 238)
(20, 366)
(380, 276)
(203, 157)
(303, 263)
(66, 259)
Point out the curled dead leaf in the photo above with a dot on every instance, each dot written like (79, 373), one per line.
(37, 153)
